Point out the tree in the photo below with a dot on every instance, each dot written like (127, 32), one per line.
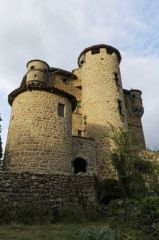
(132, 163)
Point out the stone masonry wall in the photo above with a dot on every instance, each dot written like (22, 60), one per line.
(85, 148)
(46, 190)
(102, 103)
(134, 120)
(67, 84)
(38, 139)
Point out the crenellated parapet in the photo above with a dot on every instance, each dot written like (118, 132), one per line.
(96, 49)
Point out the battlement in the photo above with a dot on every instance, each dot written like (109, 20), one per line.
(95, 49)
(38, 64)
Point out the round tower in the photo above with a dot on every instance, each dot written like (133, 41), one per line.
(136, 102)
(102, 99)
(37, 72)
(39, 137)
(134, 119)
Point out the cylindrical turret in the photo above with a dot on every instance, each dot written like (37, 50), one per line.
(37, 71)
(39, 137)
(102, 98)
(136, 102)
(135, 112)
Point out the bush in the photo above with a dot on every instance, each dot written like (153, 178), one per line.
(123, 210)
(98, 233)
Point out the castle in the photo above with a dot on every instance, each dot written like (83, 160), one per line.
(59, 121)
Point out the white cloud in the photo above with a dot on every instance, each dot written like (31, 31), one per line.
(57, 30)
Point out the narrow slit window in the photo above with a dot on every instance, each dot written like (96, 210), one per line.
(116, 79)
(61, 110)
(120, 107)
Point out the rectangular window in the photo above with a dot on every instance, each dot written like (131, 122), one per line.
(61, 110)
(120, 107)
(95, 51)
(78, 103)
(79, 132)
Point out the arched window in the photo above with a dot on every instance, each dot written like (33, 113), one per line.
(79, 165)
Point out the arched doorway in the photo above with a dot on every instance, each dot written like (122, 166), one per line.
(79, 165)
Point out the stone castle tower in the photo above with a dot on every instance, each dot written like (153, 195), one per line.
(59, 121)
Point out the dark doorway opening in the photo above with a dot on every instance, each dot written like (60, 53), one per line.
(79, 165)
(107, 199)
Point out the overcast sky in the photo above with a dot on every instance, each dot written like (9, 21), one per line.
(58, 30)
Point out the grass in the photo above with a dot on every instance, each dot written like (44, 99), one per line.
(61, 231)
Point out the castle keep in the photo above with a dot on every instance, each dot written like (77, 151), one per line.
(60, 120)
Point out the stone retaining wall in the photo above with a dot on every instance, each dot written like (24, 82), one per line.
(47, 190)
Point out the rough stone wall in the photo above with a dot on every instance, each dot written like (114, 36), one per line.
(38, 139)
(37, 71)
(46, 190)
(101, 94)
(77, 123)
(69, 85)
(85, 148)
(134, 110)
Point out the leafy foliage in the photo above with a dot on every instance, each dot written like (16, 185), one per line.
(131, 162)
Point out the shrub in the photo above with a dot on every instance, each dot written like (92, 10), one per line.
(123, 210)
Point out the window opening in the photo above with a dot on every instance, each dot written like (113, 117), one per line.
(120, 107)
(116, 79)
(79, 132)
(61, 110)
(78, 103)
(79, 165)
